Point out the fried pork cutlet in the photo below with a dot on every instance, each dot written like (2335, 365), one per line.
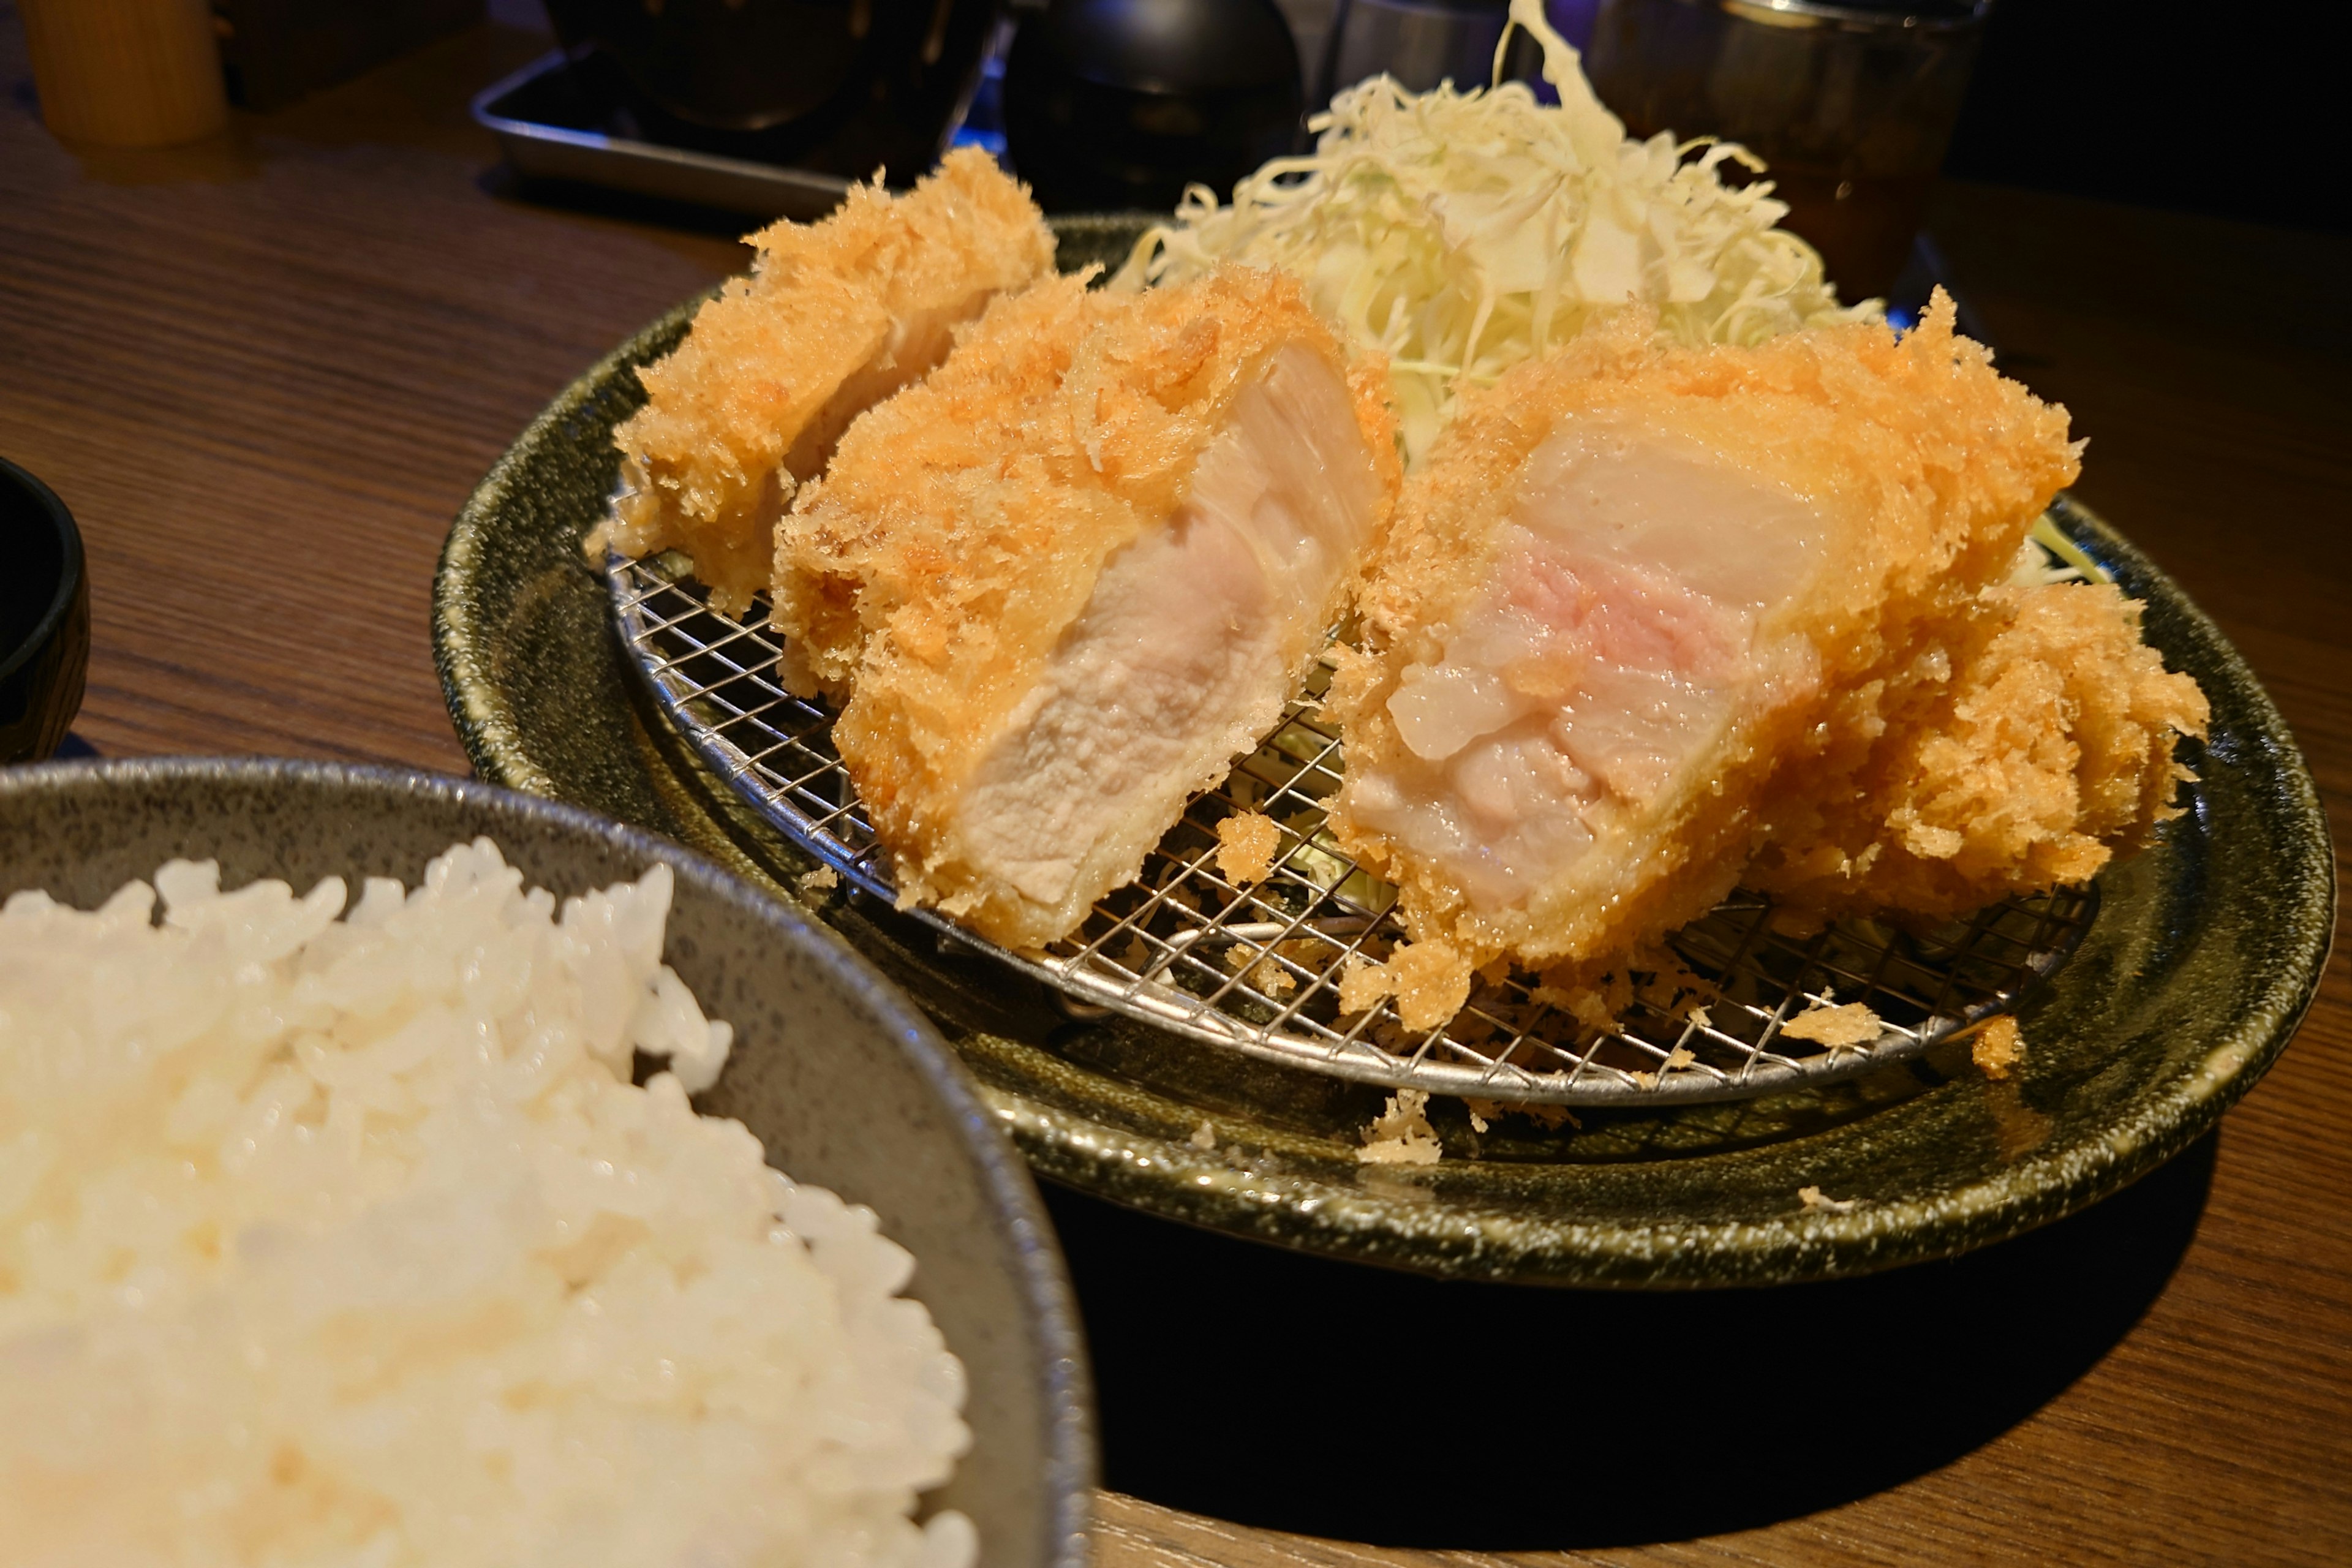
(835, 317)
(1070, 576)
(1642, 605)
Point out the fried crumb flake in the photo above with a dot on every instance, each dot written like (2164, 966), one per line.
(1433, 981)
(1362, 984)
(1836, 1027)
(1816, 1200)
(1402, 1136)
(1997, 1049)
(1245, 847)
(1484, 1113)
(1259, 969)
(1593, 1007)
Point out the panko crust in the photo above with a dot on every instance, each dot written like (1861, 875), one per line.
(834, 315)
(878, 533)
(1927, 465)
(963, 525)
(2047, 751)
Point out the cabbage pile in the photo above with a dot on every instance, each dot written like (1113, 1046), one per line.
(1460, 233)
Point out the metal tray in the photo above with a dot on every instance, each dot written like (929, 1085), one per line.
(549, 129)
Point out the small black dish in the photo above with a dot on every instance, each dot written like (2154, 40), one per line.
(1112, 104)
(836, 87)
(44, 617)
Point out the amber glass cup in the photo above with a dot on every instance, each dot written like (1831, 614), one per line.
(1851, 104)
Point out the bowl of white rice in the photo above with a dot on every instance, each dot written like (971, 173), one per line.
(394, 1170)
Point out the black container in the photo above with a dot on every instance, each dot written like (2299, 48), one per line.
(841, 86)
(1850, 102)
(44, 617)
(1116, 104)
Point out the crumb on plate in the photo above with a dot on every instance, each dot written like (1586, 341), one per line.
(1997, 1049)
(1814, 1198)
(1402, 1136)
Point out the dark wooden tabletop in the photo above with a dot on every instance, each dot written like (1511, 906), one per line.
(263, 372)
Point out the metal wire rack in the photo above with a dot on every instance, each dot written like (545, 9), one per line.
(1258, 968)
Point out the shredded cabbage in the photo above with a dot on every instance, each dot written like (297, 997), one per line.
(1461, 232)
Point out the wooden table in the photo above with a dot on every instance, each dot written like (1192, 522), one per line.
(264, 372)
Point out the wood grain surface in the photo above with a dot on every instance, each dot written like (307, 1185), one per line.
(265, 371)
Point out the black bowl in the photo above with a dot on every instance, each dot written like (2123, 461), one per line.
(845, 1083)
(1113, 104)
(839, 86)
(44, 617)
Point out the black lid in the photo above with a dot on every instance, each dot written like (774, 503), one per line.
(1179, 47)
(1867, 13)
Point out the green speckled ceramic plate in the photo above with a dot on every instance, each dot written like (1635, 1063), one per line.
(2206, 951)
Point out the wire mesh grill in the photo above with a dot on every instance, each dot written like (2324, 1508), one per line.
(1258, 968)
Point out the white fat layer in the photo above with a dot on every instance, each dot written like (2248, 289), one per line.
(1187, 648)
(1622, 629)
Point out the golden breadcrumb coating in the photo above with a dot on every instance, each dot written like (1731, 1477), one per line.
(1924, 469)
(875, 533)
(2047, 749)
(835, 316)
(963, 526)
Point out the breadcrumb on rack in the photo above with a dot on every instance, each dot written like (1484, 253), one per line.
(1362, 984)
(1851, 1024)
(1246, 842)
(1262, 970)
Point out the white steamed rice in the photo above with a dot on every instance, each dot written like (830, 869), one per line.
(349, 1242)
